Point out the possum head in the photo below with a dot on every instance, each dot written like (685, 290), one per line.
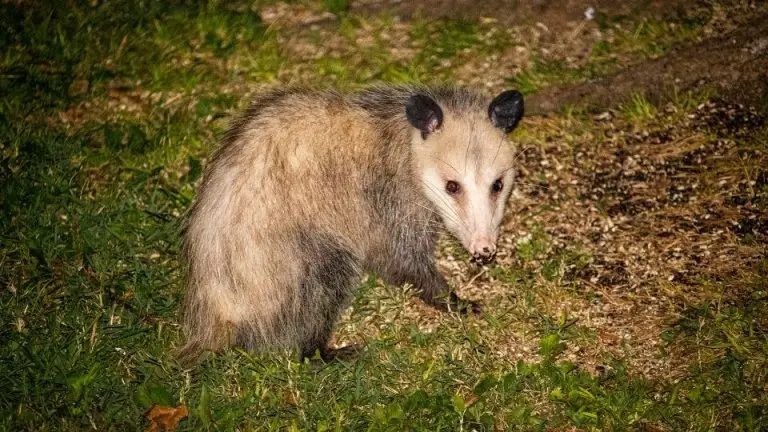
(465, 163)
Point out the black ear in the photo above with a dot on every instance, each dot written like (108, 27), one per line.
(424, 114)
(506, 110)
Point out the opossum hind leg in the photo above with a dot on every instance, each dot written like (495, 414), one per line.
(331, 274)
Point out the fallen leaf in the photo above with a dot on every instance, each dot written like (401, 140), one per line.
(164, 418)
(290, 398)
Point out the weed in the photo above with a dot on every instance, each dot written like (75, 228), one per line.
(638, 109)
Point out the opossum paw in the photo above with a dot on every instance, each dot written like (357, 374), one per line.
(345, 353)
(475, 308)
(464, 307)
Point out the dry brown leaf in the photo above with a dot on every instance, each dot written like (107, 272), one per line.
(290, 398)
(165, 419)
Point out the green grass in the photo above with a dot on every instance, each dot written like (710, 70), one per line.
(90, 282)
(638, 109)
(336, 6)
(546, 73)
(729, 339)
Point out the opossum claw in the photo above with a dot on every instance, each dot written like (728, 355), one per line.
(344, 353)
(452, 303)
(464, 307)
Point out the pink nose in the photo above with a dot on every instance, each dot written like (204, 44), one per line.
(483, 250)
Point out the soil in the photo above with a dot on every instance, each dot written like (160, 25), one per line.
(556, 15)
(735, 65)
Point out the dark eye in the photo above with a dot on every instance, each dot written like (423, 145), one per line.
(497, 186)
(452, 187)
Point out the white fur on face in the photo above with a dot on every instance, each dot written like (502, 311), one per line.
(471, 152)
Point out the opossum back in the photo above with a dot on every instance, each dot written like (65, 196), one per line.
(306, 157)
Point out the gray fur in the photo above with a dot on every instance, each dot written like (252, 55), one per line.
(308, 190)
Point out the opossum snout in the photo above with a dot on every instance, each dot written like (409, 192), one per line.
(483, 251)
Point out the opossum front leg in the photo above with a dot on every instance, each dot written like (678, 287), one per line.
(436, 292)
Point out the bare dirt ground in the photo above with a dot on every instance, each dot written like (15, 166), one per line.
(734, 63)
(557, 15)
(658, 209)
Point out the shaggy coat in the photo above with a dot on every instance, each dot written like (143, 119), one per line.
(310, 189)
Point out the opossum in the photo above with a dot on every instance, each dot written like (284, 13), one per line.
(312, 188)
